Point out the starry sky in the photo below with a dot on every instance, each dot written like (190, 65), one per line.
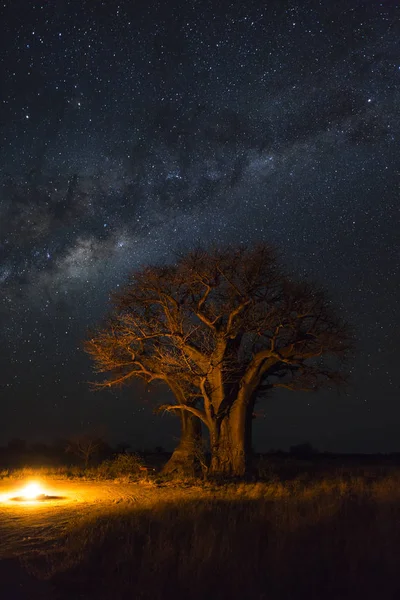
(130, 131)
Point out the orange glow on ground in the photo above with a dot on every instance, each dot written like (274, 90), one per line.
(62, 492)
(32, 492)
(32, 525)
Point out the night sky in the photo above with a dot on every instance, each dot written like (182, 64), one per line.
(133, 130)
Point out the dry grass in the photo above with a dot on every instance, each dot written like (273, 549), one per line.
(62, 473)
(334, 538)
(124, 466)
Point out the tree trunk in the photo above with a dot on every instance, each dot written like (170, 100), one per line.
(228, 444)
(185, 459)
(249, 434)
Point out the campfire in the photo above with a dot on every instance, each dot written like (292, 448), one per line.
(34, 492)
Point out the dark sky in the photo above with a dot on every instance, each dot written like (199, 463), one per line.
(131, 130)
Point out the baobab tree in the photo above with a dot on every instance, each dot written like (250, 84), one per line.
(225, 327)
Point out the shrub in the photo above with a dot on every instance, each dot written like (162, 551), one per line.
(122, 465)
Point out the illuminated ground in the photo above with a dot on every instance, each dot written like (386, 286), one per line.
(29, 527)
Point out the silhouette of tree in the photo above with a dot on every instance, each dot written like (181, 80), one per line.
(122, 447)
(85, 446)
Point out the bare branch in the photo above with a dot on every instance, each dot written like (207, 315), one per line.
(220, 326)
(198, 413)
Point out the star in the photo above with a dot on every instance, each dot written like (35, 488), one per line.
(130, 143)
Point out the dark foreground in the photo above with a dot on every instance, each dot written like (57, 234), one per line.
(333, 537)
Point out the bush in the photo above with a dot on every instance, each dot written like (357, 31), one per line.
(304, 450)
(122, 465)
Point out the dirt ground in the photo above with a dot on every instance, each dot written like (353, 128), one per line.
(30, 528)
(26, 527)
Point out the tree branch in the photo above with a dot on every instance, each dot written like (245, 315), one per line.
(234, 314)
(198, 413)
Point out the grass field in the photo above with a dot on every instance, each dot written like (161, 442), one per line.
(331, 536)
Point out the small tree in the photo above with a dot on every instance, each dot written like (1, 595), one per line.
(85, 446)
(222, 328)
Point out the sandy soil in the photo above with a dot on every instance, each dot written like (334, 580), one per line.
(30, 528)
(27, 527)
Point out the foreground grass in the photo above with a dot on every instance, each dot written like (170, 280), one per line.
(335, 538)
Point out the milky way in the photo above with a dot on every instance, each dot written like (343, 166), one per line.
(129, 134)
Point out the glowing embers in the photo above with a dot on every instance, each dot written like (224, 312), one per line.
(33, 492)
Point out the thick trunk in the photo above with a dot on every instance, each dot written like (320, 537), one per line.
(249, 432)
(185, 459)
(228, 445)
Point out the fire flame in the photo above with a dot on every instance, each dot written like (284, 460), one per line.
(32, 491)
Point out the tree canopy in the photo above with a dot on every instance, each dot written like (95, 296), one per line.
(221, 327)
